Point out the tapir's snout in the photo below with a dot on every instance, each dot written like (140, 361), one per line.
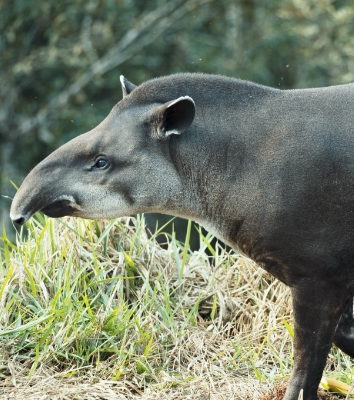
(20, 212)
(42, 192)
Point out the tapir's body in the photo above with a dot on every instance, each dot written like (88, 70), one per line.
(270, 172)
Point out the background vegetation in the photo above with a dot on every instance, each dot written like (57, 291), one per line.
(61, 60)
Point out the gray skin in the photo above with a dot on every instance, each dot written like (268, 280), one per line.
(268, 171)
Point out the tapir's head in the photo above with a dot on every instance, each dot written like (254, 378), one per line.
(121, 167)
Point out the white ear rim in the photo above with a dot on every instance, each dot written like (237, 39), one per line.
(181, 98)
(122, 82)
(172, 132)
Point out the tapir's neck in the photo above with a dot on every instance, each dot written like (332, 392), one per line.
(214, 157)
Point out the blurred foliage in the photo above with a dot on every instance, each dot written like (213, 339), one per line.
(61, 60)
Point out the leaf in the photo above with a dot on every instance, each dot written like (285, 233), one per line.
(336, 386)
(288, 328)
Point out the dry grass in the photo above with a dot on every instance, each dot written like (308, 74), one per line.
(99, 311)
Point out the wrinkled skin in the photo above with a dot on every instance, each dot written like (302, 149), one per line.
(268, 171)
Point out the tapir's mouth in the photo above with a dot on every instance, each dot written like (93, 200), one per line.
(59, 208)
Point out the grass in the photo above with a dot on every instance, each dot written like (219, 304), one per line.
(91, 309)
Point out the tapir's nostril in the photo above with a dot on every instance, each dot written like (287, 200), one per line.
(19, 221)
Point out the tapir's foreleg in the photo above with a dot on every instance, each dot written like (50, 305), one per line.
(318, 307)
(344, 337)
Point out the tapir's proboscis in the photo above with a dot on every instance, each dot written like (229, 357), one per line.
(268, 171)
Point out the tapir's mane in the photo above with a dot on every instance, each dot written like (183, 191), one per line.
(202, 87)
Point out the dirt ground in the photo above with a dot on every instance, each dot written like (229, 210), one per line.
(49, 388)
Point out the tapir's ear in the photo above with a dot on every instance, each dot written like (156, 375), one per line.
(127, 87)
(174, 117)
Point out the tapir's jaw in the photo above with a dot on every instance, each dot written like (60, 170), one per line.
(60, 208)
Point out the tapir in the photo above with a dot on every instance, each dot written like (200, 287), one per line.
(268, 171)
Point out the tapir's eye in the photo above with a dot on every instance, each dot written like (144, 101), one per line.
(101, 163)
